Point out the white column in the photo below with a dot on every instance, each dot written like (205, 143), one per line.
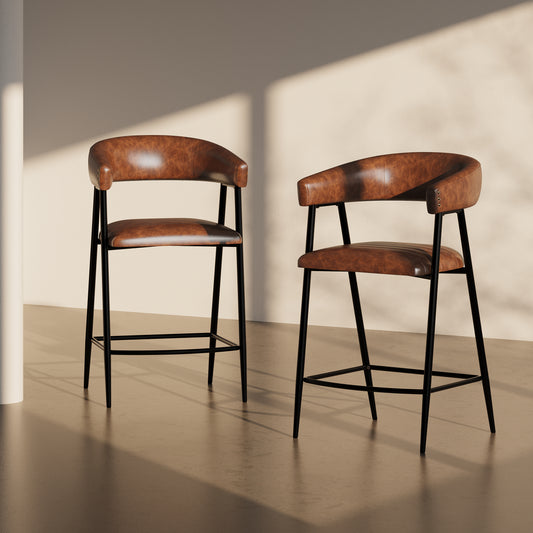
(11, 157)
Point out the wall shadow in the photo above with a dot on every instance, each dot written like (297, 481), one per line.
(96, 67)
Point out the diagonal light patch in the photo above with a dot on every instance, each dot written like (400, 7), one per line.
(57, 211)
(466, 89)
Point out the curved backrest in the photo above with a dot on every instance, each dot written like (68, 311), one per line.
(446, 182)
(163, 157)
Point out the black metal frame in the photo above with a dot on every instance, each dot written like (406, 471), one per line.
(99, 221)
(366, 367)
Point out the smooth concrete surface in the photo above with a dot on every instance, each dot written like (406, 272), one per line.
(173, 454)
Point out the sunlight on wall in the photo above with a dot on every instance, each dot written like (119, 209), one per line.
(465, 89)
(58, 200)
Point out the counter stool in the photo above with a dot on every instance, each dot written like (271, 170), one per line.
(448, 183)
(163, 157)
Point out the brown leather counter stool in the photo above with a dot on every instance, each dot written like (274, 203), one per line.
(161, 157)
(448, 183)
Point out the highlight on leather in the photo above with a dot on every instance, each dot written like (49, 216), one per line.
(446, 182)
(163, 157)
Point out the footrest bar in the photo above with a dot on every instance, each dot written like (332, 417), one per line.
(154, 336)
(230, 346)
(385, 368)
(335, 385)
(318, 379)
(456, 384)
(337, 372)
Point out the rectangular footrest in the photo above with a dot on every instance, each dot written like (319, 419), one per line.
(229, 345)
(320, 379)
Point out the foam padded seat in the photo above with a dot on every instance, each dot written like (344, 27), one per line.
(403, 259)
(137, 233)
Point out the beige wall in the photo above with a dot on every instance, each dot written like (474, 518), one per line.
(292, 91)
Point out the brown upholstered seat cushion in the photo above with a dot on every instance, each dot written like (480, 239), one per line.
(403, 259)
(169, 232)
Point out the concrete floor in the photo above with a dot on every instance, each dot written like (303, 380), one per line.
(174, 455)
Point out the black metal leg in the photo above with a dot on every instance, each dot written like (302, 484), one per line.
(105, 299)
(92, 285)
(362, 342)
(358, 314)
(476, 319)
(481, 350)
(301, 351)
(430, 336)
(214, 312)
(242, 320)
(428, 366)
(107, 326)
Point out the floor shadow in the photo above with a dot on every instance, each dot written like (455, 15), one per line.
(56, 480)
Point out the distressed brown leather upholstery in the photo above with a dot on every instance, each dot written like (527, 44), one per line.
(169, 232)
(163, 157)
(446, 182)
(402, 259)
